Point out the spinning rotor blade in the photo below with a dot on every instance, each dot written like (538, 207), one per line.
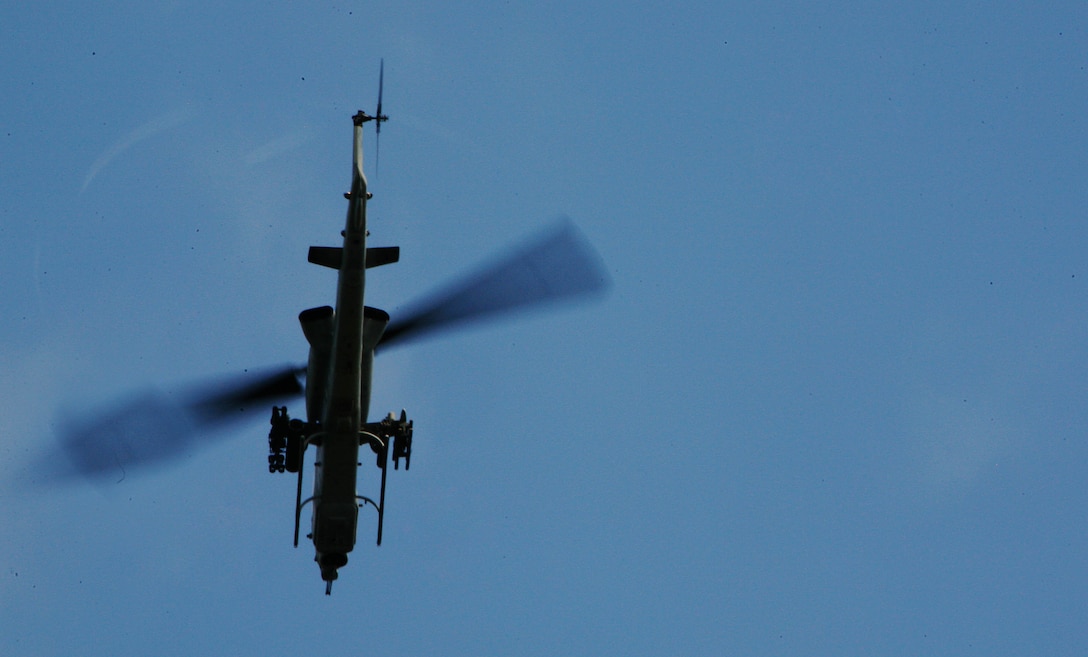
(152, 428)
(240, 397)
(558, 265)
(378, 117)
(381, 82)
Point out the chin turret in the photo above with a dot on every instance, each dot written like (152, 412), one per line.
(329, 564)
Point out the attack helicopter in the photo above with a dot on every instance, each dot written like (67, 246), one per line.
(336, 380)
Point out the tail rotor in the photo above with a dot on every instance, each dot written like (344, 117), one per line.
(379, 118)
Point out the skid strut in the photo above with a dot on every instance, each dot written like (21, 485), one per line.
(379, 435)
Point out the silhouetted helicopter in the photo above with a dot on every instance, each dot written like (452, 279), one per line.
(343, 340)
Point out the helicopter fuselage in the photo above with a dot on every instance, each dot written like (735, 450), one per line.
(338, 382)
(342, 343)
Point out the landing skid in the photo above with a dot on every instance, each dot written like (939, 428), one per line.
(288, 440)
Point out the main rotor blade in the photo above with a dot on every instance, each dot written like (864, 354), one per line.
(558, 265)
(151, 428)
(238, 397)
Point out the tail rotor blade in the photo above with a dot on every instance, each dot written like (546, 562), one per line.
(381, 83)
(378, 116)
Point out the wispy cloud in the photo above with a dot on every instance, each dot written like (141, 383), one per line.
(276, 147)
(145, 131)
(960, 442)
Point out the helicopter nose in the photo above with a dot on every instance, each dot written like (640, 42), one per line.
(330, 563)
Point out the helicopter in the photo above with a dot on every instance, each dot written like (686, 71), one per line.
(336, 380)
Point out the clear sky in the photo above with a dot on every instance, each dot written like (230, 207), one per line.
(834, 404)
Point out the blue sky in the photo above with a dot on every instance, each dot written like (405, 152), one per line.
(834, 403)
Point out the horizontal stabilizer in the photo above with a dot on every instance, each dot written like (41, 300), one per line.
(332, 256)
(377, 256)
(326, 256)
